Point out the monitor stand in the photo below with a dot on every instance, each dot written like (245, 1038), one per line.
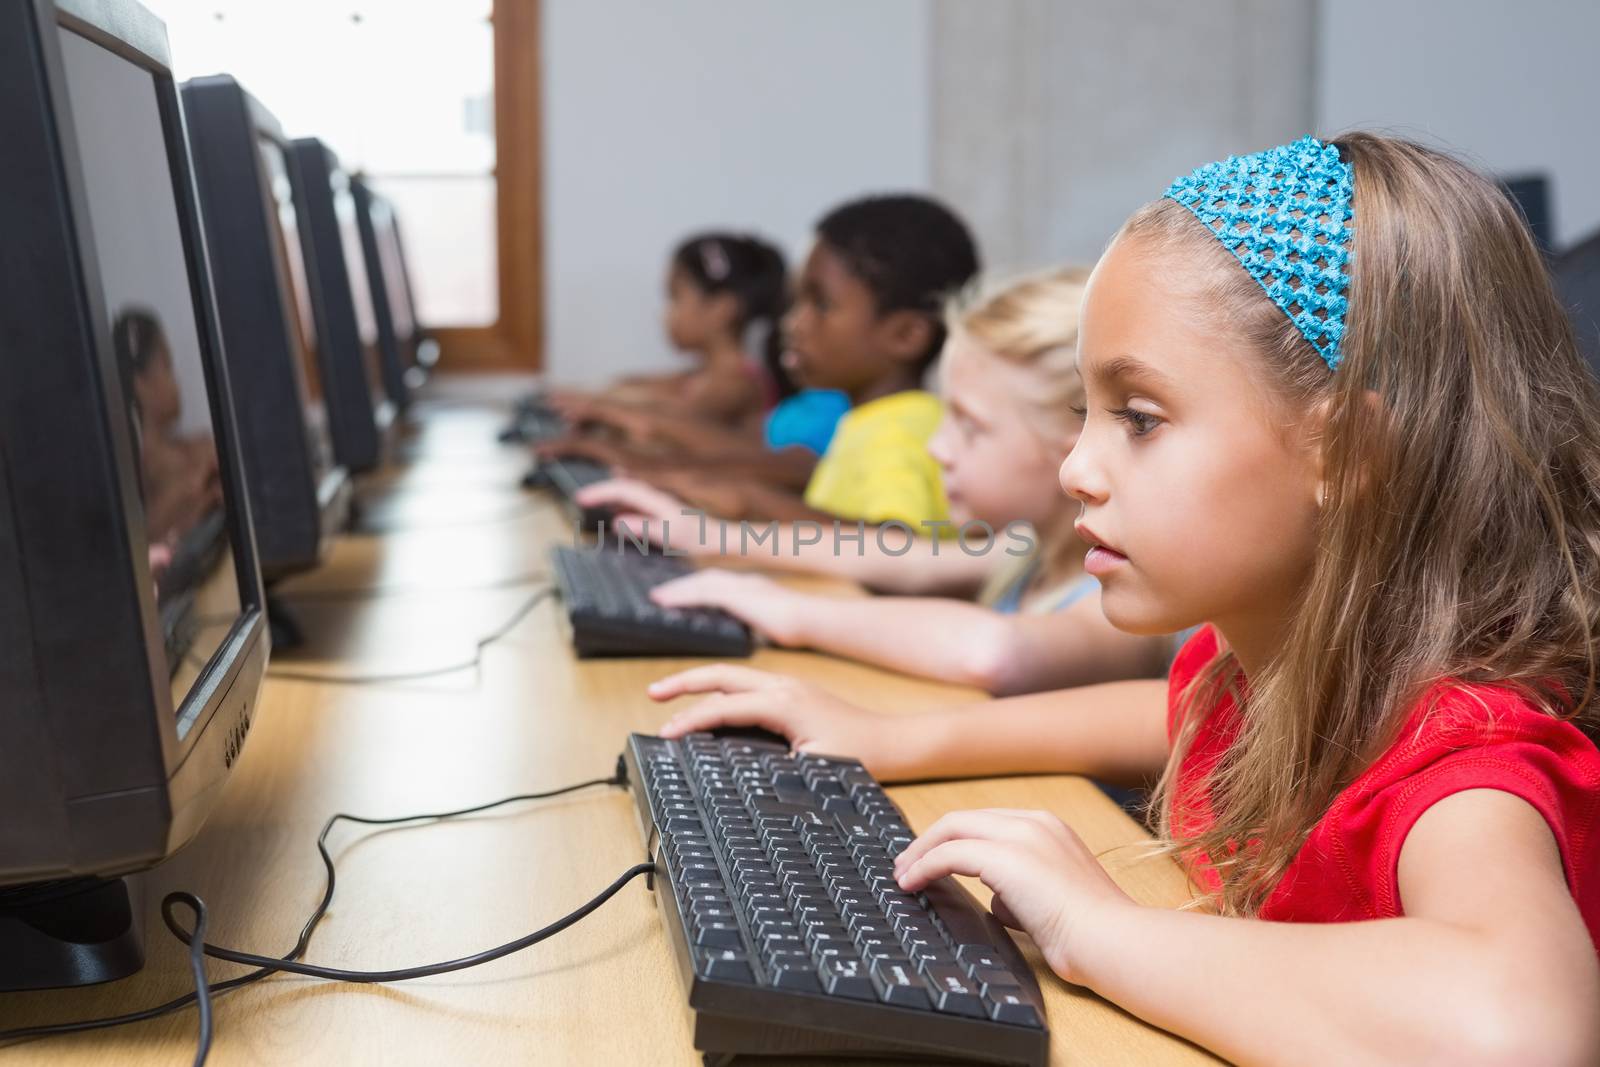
(77, 932)
(285, 628)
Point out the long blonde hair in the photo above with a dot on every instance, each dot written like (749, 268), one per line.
(1460, 533)
(1033, 322)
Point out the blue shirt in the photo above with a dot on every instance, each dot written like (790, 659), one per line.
(806, 419)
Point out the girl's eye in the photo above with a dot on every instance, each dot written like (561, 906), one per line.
(1079, 412)
(1139, 422)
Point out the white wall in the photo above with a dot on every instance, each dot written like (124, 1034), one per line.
(665, 118)
(1512, 86)
(1055, 120)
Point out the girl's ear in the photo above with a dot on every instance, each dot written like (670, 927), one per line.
(906, 333)
(724, 306)
(1317, 439)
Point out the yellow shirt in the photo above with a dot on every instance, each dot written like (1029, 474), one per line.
(877, 467)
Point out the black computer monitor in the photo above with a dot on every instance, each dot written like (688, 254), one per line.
(1531, 193)
(424, 346)
(132, 637)
(1577, 277)
(299, 495)
(391, 291)
(360, 410)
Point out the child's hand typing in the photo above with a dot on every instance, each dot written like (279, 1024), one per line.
(699, 490)
(813, 719)
(645, 511)
(756, 600)
(1045, 879)
(633, 424)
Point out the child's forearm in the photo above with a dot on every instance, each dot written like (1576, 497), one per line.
(1390, 991)
(925, 567)
(1115, 732)
(764, 502)
(788, 469)
(932, 637)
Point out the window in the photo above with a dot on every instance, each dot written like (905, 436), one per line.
(405, 92)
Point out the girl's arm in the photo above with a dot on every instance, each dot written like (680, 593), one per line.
(1492, 963)
(948, 640)
(726, 398)
(884, 560)
(1115, 732)
(788, 468)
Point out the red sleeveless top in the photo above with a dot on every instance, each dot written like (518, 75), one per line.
(1477, 737)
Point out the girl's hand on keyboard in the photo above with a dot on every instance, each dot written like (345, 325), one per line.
(645, 511)
(813, 719)
(756, 600)
(1045, 879)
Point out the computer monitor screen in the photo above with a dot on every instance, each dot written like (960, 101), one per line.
(392, 258)
(286, 231)
(344, 207)
(139, 246)
(286, 234)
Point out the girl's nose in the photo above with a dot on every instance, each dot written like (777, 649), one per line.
(1079, 475)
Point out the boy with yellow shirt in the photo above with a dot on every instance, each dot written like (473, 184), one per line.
(867, 320)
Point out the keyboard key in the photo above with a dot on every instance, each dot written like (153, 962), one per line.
(728, 965)
(976, 956)
(802, 977)
(997, 979)
(723, 934)
(953, 991)
(837, 804)
(843, 977)
(1012, 1008)
(898, 983)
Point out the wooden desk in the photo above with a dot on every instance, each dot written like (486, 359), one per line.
(604, 992)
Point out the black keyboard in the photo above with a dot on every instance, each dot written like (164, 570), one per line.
(607, 594)
(533, 422)
(566, 476)
(791, 936)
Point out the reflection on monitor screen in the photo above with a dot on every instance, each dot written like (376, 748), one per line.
(144, 271)
(286, 230)
(392, 257)
(286, 234)
(344, 206)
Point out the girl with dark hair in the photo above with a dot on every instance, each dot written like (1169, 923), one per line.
(720, 287)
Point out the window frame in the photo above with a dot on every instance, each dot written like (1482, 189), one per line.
(515, 341)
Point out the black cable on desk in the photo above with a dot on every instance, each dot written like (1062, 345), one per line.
(476, 661)
(267, 965)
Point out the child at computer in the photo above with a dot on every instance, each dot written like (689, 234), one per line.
(866, 321)
(1335, 414)
(781, 450)
(1011, 391)
(719, 287)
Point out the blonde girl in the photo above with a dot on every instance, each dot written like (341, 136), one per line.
(1012, 396)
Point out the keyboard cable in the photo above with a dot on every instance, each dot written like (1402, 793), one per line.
(522, 612)
(193, 937)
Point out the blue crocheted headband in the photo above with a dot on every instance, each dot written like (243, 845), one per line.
(1285, 215)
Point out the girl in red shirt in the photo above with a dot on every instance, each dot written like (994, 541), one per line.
(1335, 415)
